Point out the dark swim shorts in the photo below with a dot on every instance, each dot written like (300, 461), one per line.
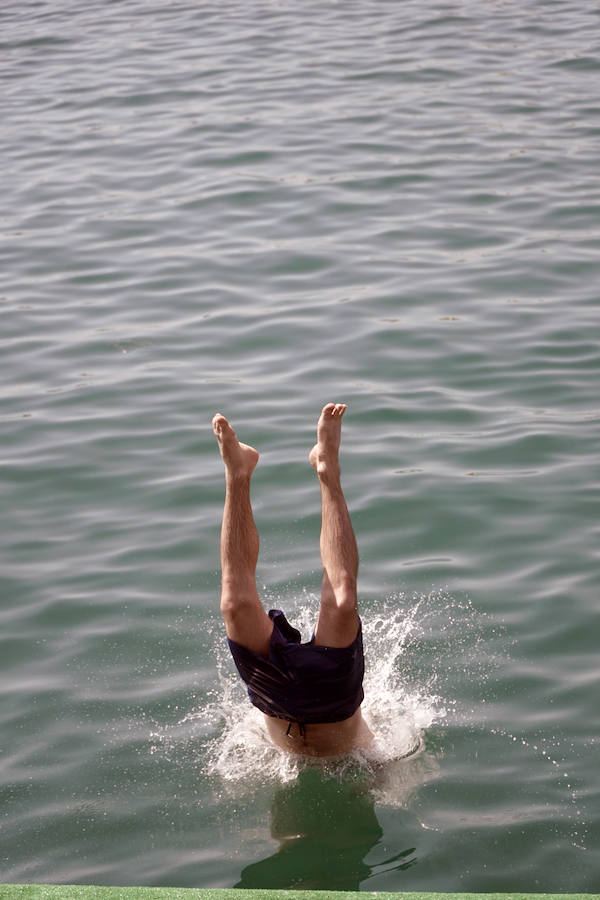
(302, 683)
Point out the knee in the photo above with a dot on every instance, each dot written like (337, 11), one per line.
(344, 599)
(346, 592)
(236, 600)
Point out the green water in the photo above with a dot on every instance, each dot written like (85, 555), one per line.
(258, 209)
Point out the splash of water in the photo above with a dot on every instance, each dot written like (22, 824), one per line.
(400, 706)
(423, 657)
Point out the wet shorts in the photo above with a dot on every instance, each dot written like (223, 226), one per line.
(299, 682)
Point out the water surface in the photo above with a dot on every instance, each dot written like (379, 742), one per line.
(258, 209)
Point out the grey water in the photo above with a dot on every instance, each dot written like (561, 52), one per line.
(259, 208)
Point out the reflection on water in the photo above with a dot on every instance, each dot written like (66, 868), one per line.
(325, 829)
(323, 811)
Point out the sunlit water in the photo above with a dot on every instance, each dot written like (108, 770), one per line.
(258, 209)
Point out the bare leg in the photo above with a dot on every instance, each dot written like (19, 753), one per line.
(338, 617)
(246, 622)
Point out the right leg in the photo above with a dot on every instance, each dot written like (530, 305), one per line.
(246, 622)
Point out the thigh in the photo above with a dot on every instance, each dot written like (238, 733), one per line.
(336, 630)
(338, 623)
(246, 622)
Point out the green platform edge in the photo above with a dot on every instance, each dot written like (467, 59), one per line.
(92, 892)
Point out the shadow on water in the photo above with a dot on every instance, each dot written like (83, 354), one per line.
(325, 829)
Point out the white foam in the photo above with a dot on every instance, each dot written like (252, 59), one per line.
(398, 711)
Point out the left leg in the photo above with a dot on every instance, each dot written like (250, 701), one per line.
(338, 616)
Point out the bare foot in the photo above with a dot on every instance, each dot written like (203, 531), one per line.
(324, 456)
(239, 459)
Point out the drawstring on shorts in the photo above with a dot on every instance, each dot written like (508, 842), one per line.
(301, 728)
